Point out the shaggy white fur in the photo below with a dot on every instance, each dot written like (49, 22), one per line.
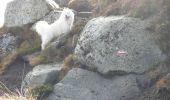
(60, 26)
(3, 5)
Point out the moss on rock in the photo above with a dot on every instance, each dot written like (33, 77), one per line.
(36, 59)
(41, 92)
(29, 46)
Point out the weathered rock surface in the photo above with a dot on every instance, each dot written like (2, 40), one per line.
(81, 84)
(80, 5)
(118, 44)
(141, 9)
(64, 3)
(42, 74)
(51, 17)
(20, 12)
(7, 43)
(57, 1)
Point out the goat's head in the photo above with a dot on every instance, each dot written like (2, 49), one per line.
(67, 14)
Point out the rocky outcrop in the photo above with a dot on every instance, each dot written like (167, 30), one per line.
(81, 84)
(42, 74)
(21, 12)
(7, 43)
(113, 58)
(118, 44)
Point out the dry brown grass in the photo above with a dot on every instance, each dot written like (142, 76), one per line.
(15, 97)
(162, 87)
(67, 65)
(9, 95)
(36, 59)
(68, 62)
(161, 82)
(93, 2)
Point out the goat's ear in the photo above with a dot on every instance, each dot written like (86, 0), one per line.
(75, 12)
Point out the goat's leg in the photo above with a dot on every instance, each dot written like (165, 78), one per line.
(45, 41)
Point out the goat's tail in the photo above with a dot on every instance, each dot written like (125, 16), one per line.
(41, 27)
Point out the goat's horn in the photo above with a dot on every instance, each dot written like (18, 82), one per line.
(53, 4)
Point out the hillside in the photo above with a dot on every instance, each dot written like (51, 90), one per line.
(116, 50)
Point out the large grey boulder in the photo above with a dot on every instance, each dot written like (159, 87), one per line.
(81, 84)
(7, 43)
(104, 39)
(21, 12)
(42, 74)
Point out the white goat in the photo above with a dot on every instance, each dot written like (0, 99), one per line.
(60, 26)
